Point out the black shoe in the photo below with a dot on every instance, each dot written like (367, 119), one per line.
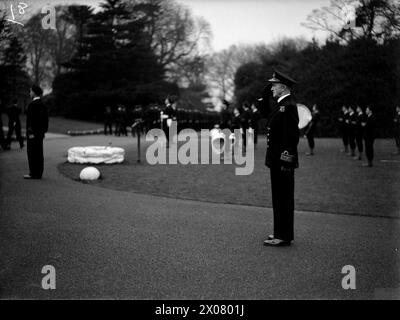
(28, 176)
(369, 165)
(277, 243)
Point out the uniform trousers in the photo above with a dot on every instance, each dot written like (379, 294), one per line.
(282, 186)
(369, 148)
(35, 156)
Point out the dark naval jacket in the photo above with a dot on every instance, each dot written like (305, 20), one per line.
(37, 120)
(283, 135)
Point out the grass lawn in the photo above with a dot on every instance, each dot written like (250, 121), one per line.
(327, 182)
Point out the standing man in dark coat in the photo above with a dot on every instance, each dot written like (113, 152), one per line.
(359, 132)
(255, 118)
(108, 120)
(396, 121)
(310, 132)
(225, 116)
(369, 136)
(170, 114)
(344, 128)
(245, 120)
(37, 122)
(14, 123)
(3, 143)
(352, 121)
(282, 158)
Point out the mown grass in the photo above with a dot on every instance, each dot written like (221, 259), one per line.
(327, 182)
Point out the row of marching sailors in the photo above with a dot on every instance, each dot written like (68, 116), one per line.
(244, 118)
(358, 131)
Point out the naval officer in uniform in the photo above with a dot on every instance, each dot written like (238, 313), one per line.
(282, 158)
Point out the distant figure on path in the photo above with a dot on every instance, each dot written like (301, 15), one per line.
(352, 131)
(3, 143)
(396, 121)
(310, 132)
(37, 123)
(369, 136)
(344, 128)
(225, 116)
(14, 123)
(108, 120)
(359, 132)
(170, 114)
(255, 118)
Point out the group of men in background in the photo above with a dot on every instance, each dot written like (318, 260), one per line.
(244, 118)
(14, 125)
(119, 119)
(358, 132)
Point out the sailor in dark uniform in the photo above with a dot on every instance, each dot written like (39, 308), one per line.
(14, 123)
(369, 136)
(310, 132)
(282, 158)
(344, 127)
(170, 114)
(225, 116)
(3, 142)
(396, 121)
(245, 123)
(255, 118)
(359, 132)
(352, 125)
(37, 122)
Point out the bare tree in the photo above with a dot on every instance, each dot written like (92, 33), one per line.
(36, 43)
(63, 43)
(47, 50)
(174, 34)
(222, 67)
(351, 19)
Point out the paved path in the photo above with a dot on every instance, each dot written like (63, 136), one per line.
(113, 244)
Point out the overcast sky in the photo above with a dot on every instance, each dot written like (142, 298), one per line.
(241, 21)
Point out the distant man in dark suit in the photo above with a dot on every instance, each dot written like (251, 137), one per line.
(396, 121)
(225, 116)
(170, 114)
(14, 123)
(352, 118)
(344, 128)
(359, 132)
(245, 122)
(310, 132)
(255, 118)
(3, 142)
(282, 158)
(369, 136)
(37, 122)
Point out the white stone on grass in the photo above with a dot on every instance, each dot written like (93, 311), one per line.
(89, 173)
